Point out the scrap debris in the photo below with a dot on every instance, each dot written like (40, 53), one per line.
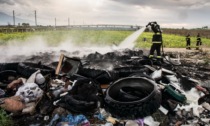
(121, 88)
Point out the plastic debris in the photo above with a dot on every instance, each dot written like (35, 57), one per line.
(156, 74)
(150, 121)
(29, 92)
(75, 120)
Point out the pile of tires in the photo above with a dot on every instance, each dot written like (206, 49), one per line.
(26, 69)
(101, 76)
(8, 66)
(82, 98)
(127, 71)
(6, 77)
(132, 98)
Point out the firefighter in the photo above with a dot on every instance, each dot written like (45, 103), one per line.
(188, 41)
(199, 43)
(156, 40)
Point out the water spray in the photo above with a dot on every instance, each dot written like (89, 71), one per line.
(129, 42)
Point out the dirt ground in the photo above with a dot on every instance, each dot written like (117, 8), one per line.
(185, 50)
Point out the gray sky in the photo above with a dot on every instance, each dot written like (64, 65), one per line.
(168, 13)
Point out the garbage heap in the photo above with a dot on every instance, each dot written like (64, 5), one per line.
(121, 88)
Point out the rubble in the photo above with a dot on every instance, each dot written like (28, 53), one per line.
(120, 88)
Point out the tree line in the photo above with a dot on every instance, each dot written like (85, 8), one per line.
(205, 33)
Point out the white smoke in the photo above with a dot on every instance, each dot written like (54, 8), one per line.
(36, 45)
(83, 49)
(27, 47)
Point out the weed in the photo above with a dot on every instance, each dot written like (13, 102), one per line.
(5, 120)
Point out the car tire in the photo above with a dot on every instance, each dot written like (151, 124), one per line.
(7, 76)
(147, 104)
(127, 71)
(8, 66)
(26, 69)
(101, 76)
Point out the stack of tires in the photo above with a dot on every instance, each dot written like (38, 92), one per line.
(26, 69)
(8, 73)
(11, 71)
(8, 66)
(101, 76)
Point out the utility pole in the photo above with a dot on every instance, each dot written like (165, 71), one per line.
(68, 22)
(55, 22)
(35, 19)
(13, 17)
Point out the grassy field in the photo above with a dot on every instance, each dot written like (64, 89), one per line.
(99, 37)
(169, 41)
(76, 36)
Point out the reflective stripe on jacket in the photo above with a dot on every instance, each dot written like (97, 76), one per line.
(156, 42)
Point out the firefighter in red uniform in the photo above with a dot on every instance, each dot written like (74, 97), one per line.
(156, 40)
(199, 43)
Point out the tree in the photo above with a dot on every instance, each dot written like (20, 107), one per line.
(205, 27)
(25, 24)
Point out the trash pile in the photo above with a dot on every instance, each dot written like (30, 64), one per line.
(121, 88)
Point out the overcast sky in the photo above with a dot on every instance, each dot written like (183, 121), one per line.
(168, 13)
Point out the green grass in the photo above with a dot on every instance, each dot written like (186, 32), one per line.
(99, 37)
(169, 41)
(76, 36)
(5, 120)
(4, 38)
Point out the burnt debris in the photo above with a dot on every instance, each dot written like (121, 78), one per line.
(107, 89)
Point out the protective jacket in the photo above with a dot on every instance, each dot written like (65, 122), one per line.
(199, 43)
(188, 42)
(156, 45)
